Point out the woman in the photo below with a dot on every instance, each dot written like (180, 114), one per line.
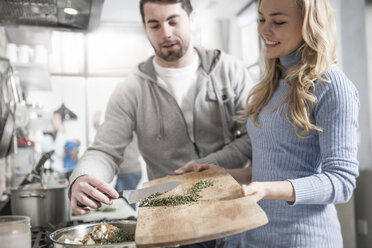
(302, 121)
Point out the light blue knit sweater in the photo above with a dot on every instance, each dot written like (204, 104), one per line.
(322, 168)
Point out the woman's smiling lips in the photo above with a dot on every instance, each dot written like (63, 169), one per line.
(269, 43)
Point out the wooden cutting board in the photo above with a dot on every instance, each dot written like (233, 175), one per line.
(221, 211)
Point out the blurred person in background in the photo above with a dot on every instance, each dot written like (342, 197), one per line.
(56, 140)
(66, 151)
(71, 158)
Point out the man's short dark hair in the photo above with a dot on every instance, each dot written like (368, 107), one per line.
(186, 5)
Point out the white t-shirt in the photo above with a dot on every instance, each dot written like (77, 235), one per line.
(181, 83)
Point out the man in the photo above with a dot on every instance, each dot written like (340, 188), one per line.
(180, 103)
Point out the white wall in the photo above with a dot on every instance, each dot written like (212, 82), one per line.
(369, 47)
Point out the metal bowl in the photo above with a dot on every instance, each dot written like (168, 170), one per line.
(81, 230)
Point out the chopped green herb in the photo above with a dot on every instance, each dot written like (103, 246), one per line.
(119, 236)
(191, 196)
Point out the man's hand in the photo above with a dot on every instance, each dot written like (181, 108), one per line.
(193, 166)
(87, 188)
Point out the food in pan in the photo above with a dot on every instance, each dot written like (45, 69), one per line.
(101, 234)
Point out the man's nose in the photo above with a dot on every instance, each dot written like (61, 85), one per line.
(167, 31)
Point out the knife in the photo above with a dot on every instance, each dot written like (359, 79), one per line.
(136, 195)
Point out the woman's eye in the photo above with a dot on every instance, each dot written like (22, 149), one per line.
(173, 23)
(279, 23)
(261, 20)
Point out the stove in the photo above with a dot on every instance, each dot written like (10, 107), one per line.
(40, 239)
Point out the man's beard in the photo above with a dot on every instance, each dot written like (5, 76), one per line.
(172, 55)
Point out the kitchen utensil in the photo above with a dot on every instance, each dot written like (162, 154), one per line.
(221, 211)
(15, 231)
(136, 195)
(6, 136)
(81, 230)
(35, 174)
(7, 111)
(23, 162)
(45, 205)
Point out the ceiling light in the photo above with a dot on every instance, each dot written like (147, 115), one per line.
(69, 9)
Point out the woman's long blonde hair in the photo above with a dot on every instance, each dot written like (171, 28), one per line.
(318, 53)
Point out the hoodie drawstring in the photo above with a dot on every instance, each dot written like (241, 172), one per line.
(160, 123)
(222, 113)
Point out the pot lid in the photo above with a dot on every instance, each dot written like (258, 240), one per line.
(37, 186)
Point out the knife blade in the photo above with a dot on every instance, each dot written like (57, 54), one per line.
(137, 195)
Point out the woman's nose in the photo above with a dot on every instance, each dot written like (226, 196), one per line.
(265, 28)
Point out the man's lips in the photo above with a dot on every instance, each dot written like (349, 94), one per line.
(168, 45)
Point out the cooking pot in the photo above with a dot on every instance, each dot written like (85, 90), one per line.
(81, 230)
(48, 205)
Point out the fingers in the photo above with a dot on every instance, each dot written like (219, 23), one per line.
(76, 209)
(102, 187)
(244, 190)
(191, 166)
(194, 166)
(90, 191)
(252, 190)
(208, 166)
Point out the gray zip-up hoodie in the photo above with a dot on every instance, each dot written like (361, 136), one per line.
(141, 105)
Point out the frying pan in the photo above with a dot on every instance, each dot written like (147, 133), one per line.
(81, 230)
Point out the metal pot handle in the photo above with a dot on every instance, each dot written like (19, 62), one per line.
(33, 195)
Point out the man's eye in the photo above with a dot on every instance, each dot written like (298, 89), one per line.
(154, 27)
(173, 23)
(261, 20)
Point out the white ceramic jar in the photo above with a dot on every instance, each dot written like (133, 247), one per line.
(15, 231)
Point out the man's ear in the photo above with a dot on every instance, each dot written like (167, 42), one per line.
(192, 20)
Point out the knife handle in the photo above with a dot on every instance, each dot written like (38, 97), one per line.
(81, 205)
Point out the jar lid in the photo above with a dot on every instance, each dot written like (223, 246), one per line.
(14, 219)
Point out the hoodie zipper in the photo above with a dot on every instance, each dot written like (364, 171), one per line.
(183, 118)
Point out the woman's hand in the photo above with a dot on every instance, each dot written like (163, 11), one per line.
(282, 190)
(193, 166)
(255, 190)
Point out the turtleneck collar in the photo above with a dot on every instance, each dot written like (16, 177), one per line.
(290, 59)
